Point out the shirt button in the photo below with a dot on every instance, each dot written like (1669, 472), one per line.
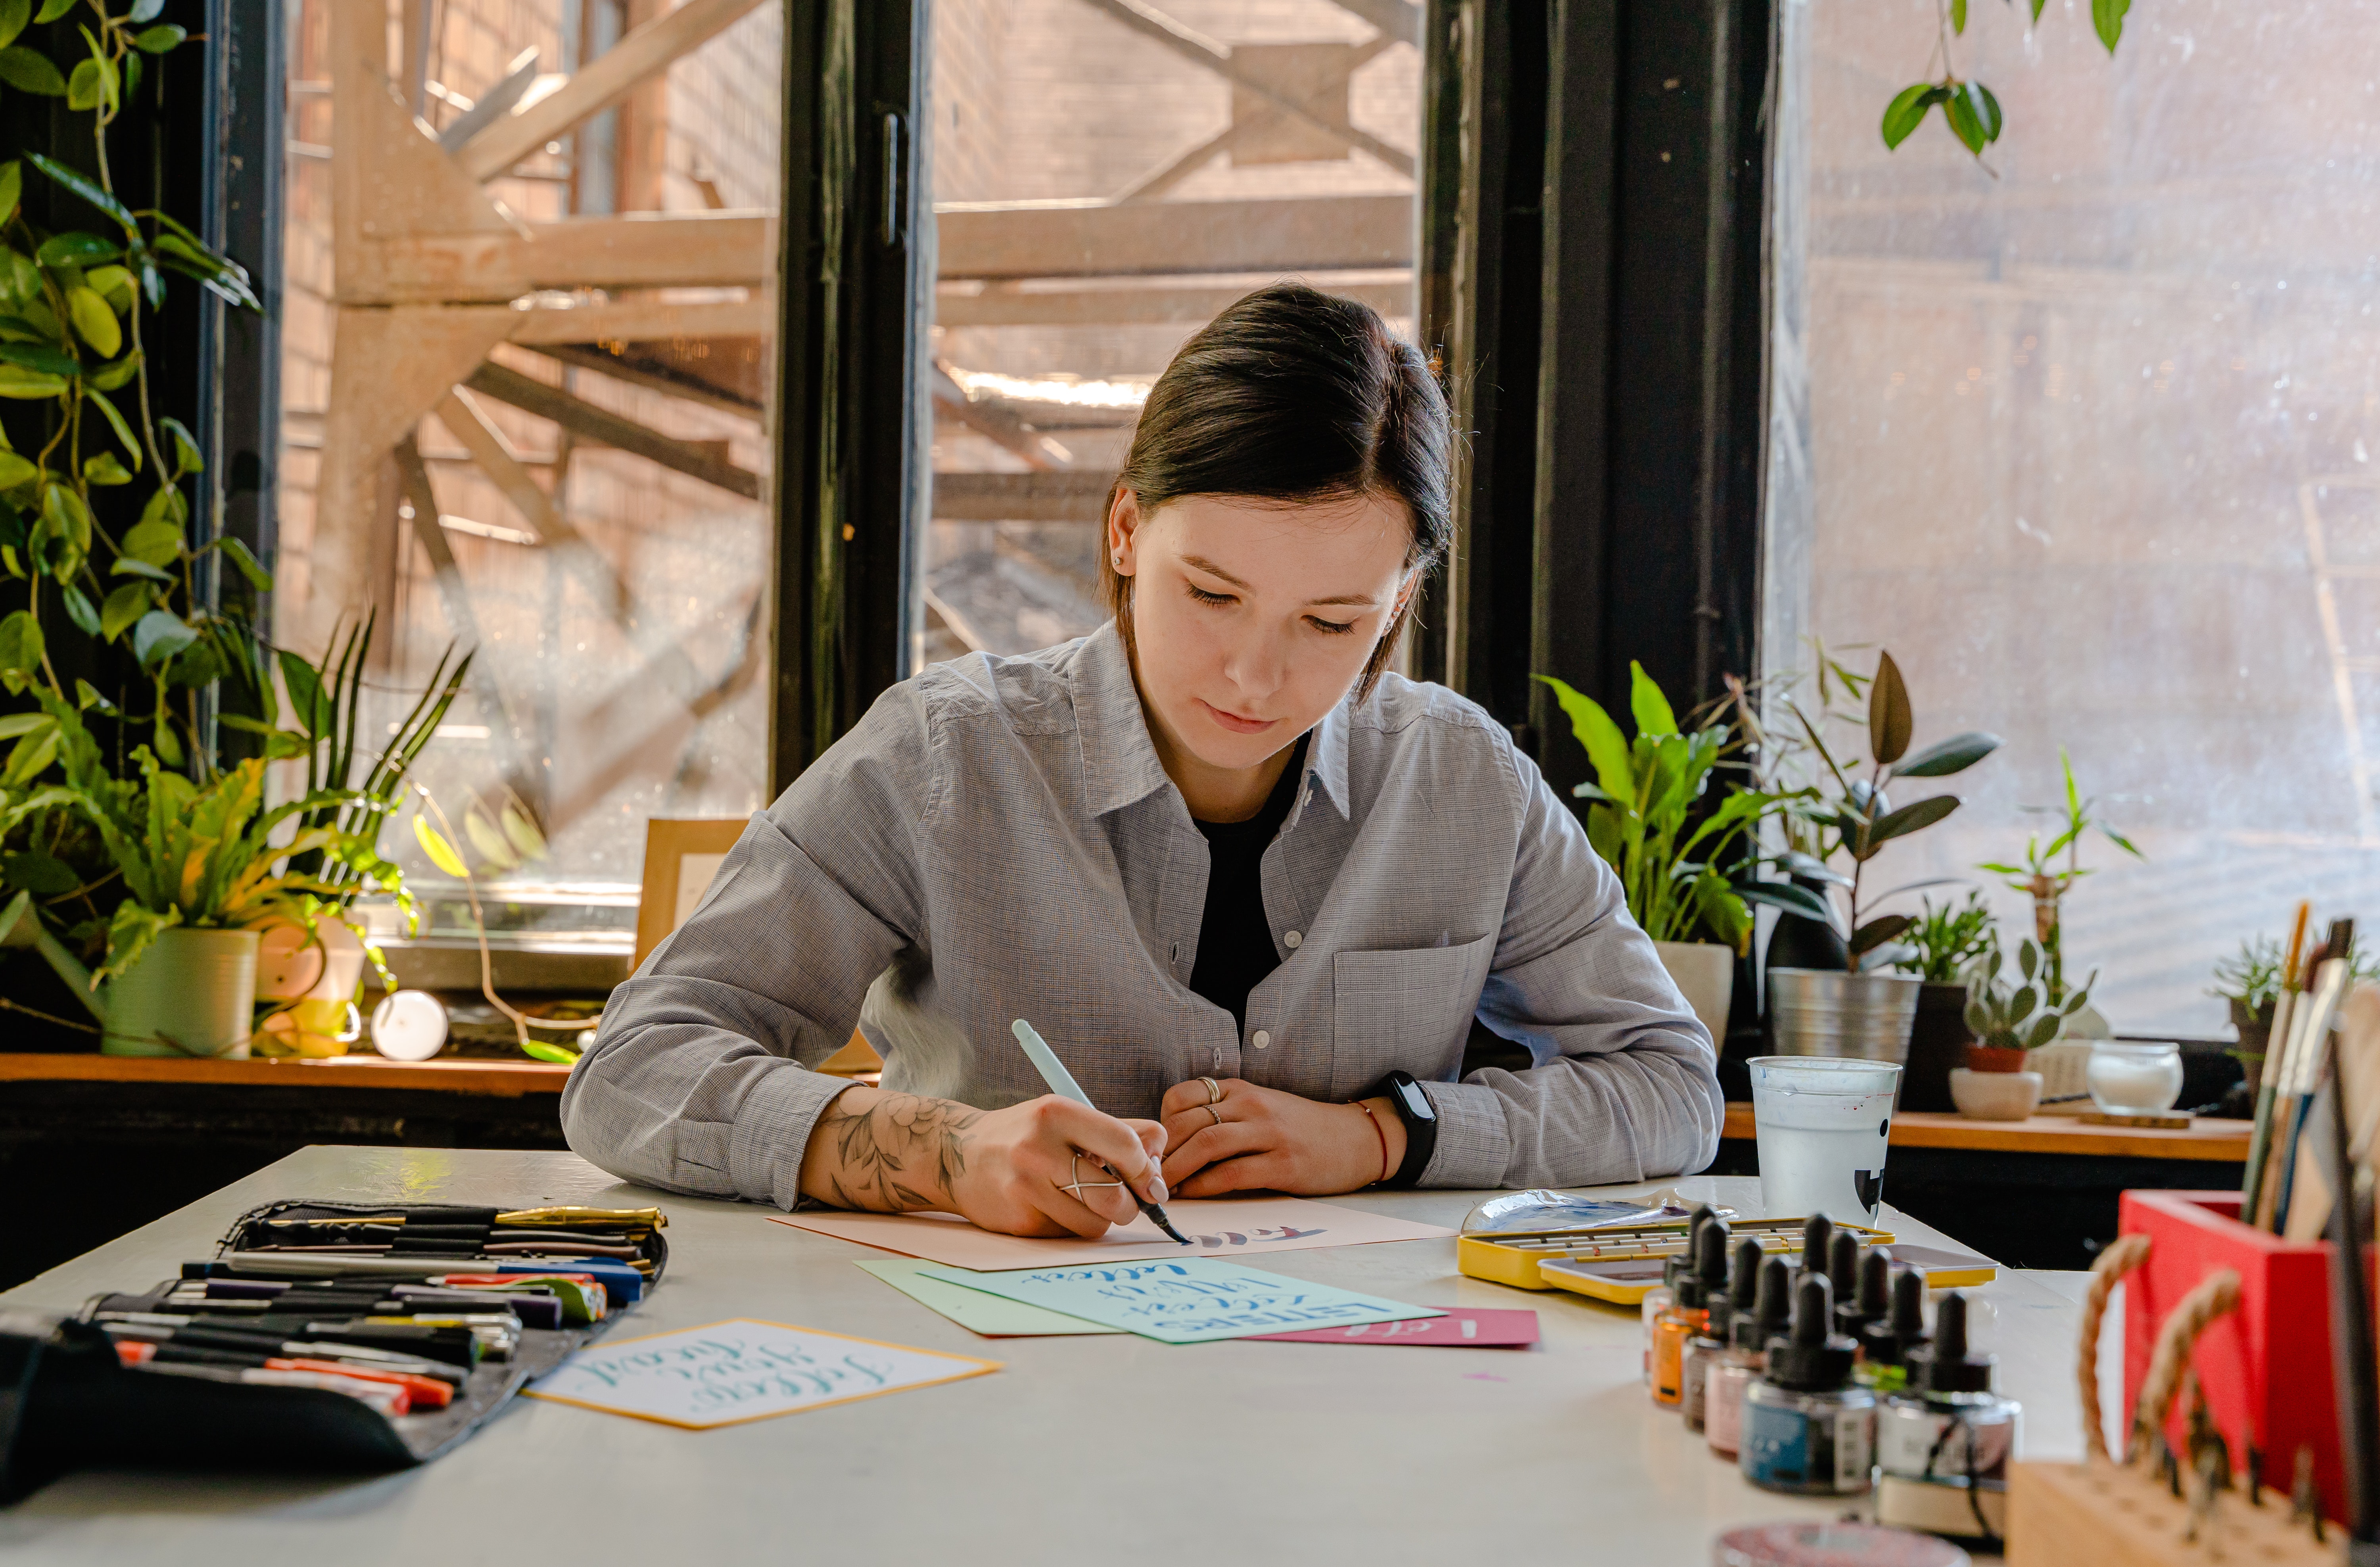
(1261, 1039)
(1292, 939)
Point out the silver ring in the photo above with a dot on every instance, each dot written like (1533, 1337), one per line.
(1079, 1185)
(1213, 1112)
(1214, 1090)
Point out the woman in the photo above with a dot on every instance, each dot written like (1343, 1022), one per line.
(1253, 888)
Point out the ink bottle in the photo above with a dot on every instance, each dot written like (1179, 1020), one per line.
(1944, 1443)
(1887, 1343)
(1688, 1315)
(1807, 1430)
(1703, 1349)
(1663, 1295)
(1746, 1353)
(1863, 1287)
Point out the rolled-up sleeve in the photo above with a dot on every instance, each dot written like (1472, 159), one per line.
(1625, 1085)
(696, 1081)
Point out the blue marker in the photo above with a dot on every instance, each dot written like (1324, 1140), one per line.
(1062, 1083)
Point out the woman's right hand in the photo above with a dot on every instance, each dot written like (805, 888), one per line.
(1040, 1168)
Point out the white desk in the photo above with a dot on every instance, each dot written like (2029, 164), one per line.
(1094, 1449)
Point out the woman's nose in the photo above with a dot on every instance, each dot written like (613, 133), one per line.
(1258, 667)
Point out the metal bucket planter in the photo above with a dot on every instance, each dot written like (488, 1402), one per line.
(192, 993)
(1867, 1017)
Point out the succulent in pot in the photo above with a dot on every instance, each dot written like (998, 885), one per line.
(2008, 1020)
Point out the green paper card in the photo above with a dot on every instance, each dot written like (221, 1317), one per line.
(1188, 1301)
(992, 1315)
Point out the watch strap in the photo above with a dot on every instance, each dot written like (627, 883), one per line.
(1421, 1131)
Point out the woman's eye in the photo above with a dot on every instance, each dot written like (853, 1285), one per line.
(1335, 628)
(1205, 598)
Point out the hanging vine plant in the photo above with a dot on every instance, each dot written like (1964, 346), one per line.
(1968, 106)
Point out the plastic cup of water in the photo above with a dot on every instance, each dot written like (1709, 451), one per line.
(1822, 1122)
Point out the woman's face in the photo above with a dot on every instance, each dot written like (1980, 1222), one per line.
(1252, 618)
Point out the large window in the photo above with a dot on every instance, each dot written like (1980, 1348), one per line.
(1107, 176)
(2087, 441)
(527, 369)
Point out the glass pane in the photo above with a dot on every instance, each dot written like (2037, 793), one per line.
(2087, 441)
(595, 525)
(1105, 180)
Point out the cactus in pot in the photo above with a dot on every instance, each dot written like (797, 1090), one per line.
(2008, 1020)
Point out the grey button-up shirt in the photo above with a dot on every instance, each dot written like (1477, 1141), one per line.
(997, 839)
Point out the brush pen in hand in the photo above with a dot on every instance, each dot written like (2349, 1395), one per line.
(1062, 1083)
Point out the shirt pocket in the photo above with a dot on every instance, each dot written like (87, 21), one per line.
(1409, 1009)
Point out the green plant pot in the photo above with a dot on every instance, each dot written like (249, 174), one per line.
(192, 993)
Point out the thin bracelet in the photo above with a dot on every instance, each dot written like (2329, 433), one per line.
(1382, 1132)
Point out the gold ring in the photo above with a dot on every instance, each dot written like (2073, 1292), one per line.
(1213, 1112)
(1214, 1089)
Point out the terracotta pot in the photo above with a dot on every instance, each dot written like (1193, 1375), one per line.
(1983, 1058)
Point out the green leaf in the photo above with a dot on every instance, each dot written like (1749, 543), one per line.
(1944, 758)
(28, 70)
(28, 387)
(108, 378)
(1959, 17)
(1888, 721)
(146, 11)
(18, 724)
(2028, 959)
(186, 460)
(1878, 931)
(1987, 108)
(2107, 21)
(15, 14)
(1605, 748)
(526, 838)
(88, 699)
(247, 564)
(21, 644)
(131, 75)
(105, 469)
(311, 704)
(53, 9)
(123, 430)
(1907, 111)
(1909, 819)
(1647, 705)
(1786, 896)
(169, 748)
(538, 1049)
(1960, 112)
(126, 566)
(158, 40)
(124, 607)
(113, 284)
(12, 172)
(49, 361)
(76, 248)
(43, 875)
(158, 636)
(64, 510)
(109, 85)
(87, 88)
(80, 610)
(441, 853)
(15, 471)
(2038, 5)
(94, 322)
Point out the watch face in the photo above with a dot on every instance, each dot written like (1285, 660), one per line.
(1416, 1103)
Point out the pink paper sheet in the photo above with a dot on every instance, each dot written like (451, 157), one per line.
(1217, 1227)
(1458, 1328)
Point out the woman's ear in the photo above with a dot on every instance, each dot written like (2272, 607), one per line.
(1123, 521)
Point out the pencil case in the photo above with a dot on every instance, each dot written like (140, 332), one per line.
(261, 1356)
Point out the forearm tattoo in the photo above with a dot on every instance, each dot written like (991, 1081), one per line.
(901, 1153)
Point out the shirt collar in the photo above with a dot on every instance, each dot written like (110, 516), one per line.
(1119, 764)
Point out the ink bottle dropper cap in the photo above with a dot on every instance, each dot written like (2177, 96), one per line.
(1842, 1269)
(1767, 1318)
(1742, 1289)
(1892, 1339)
(1817, 1235)
(1707, 1281)
(1947, 1367)
(1874, 1296)
(1812, 1358)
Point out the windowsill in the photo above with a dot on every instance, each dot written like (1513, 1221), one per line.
(592, 963)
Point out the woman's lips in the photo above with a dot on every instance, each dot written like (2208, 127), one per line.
(1233, 722)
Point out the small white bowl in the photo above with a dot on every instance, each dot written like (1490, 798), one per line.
(1995, 1096)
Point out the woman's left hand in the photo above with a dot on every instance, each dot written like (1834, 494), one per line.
(1237, 1137)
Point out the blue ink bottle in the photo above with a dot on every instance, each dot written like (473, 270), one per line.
(1807, 1429)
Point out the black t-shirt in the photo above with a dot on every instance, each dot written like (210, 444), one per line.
(1235, 949)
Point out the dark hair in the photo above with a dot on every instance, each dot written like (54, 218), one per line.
(1294, 396)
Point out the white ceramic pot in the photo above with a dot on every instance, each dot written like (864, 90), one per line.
(1705, 973)
(192, 993)
(317, 974)
(1995, 1096)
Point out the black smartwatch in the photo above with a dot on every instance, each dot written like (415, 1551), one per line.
(1421, 1125)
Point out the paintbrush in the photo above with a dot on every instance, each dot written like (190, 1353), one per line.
(2355, 1371)
(2259, 1142)
(2308, 1058)
(2288, 1101)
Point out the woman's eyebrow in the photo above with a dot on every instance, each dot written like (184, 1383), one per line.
(1201, 563)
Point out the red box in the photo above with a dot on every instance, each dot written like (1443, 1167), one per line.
(2267, 1368)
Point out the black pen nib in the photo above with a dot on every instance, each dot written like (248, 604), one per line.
(1157, 1216)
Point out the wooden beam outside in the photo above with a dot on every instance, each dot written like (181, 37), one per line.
(1075, 495)
(583, 418)
(1149, 187)
(725, 250)
(647, 320)
(996, 419)
(495, 458)
(1131, 306)
(1017, 239)
(602, 82)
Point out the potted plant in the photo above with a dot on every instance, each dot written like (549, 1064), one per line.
(1865, 1010)
(2249, 983)
(1652, 822)
(1940, 948)
(2010, 1021)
